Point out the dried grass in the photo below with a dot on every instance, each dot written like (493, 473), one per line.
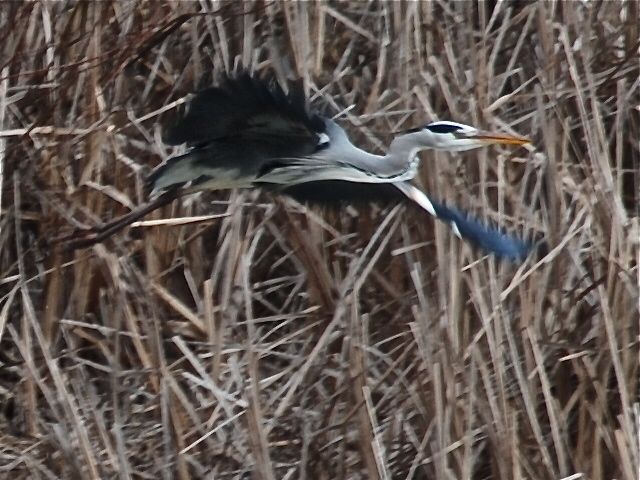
(258, 337)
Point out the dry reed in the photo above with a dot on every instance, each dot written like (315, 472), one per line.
(272, 340)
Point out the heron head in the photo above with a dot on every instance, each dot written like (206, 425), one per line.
(456, 137)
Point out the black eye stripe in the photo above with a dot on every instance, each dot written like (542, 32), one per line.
(442, 128)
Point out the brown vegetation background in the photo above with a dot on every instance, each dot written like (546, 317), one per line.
(273, 340)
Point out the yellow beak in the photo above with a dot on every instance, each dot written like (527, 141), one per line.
(493, 138)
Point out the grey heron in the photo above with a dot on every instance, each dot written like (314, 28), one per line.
(248, 132)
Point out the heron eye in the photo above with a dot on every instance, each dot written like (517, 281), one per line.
(442, 127)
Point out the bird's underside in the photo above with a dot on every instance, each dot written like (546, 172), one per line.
(247, 133)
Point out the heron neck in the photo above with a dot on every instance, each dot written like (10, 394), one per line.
(404, 148)
(402, 154)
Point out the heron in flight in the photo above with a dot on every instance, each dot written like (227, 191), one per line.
(248, 132)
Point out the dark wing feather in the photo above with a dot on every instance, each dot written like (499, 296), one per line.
(246, 106)
(239, 130)
(482, 236)
(477, 233)
(338, 192)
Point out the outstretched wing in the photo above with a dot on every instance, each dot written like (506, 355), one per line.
(469, 229)
(473, 231)
(245, 106)
(236, 131)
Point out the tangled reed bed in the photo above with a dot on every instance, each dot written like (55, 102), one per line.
(279, 341)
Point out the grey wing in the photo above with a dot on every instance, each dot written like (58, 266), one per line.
(238, 131)
(479, 234)
(244, 103)
(474, 231)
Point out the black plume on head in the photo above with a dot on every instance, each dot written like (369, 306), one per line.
(442, 127)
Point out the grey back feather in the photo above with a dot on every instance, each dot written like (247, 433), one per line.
(237, 131)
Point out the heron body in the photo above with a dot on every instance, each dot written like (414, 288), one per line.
(247, 132)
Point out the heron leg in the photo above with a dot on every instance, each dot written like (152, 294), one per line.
(77, 240)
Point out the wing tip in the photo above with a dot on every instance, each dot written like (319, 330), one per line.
(494, 241)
